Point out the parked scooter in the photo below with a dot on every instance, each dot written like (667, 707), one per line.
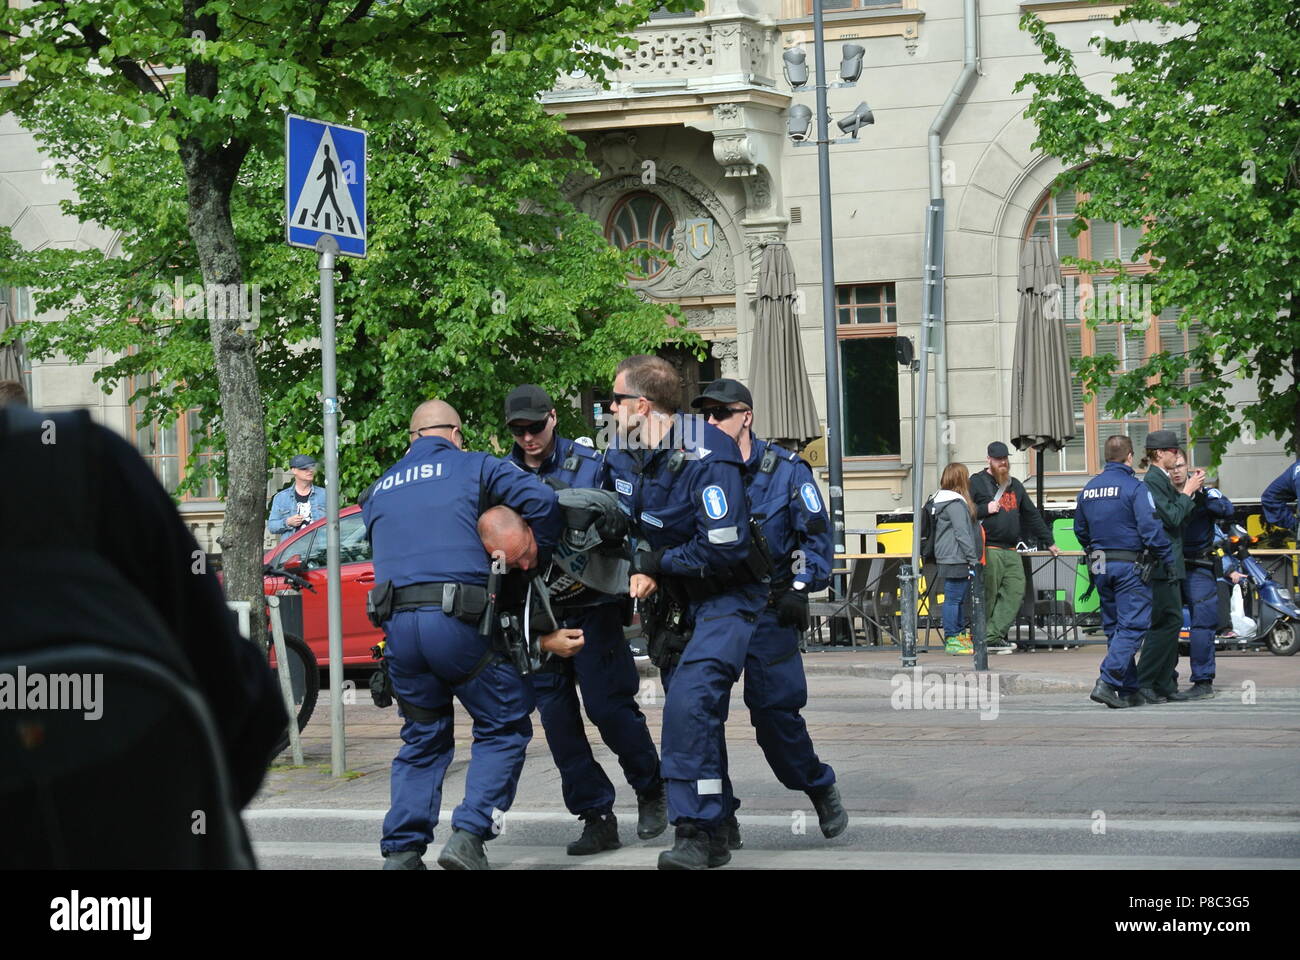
(1277, 617)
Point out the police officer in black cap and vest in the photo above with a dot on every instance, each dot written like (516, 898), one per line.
(604, 669)
(784, 500)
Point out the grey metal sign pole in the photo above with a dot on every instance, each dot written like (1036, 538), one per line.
(834, 436)
(328, 248)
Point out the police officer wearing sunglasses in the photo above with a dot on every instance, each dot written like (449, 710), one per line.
(603, 669)
(787, 505)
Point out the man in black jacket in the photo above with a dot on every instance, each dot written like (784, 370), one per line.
(1004, 509)
(1158, 659)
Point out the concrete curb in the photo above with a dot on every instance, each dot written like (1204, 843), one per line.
(1009, 681)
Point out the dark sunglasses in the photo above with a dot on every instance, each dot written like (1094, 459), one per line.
(535, 428)
(436, 426)
(618, 398)
(722, 413)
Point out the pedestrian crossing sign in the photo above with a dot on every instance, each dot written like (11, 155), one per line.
(325, 184)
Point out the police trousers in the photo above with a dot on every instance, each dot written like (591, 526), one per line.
(698, 693)
(1126, 617)
(605, 671)
(775, 691)
(1201, 596)
(430, 656)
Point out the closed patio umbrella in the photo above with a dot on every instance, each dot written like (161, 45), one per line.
(10, 364)
(784, 409)
(1041, 413)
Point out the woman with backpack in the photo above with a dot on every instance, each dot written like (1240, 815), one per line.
(958, 542)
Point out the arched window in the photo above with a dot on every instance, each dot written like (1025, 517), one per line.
(642, 222)
(1117, 306)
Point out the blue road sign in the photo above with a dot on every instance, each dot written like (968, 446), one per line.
(324, 184)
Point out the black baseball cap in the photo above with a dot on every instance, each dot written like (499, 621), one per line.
(528, 402)
(998, 450)
(303, 462)
(725, 391)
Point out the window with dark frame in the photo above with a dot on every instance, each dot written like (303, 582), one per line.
(843, 6)
(644, 223)
(1130, 343)
(867, 323)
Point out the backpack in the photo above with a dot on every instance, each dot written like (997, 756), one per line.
(91, 768)
(928, 514)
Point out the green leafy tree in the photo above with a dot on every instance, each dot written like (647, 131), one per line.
(188, 167)
(1199, 144)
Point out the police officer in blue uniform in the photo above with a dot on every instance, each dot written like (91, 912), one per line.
(784, 500)
(1115, 521)
(431, 573)
(604, 668)
(679, 479)
(1280, 500)
(1200, 588)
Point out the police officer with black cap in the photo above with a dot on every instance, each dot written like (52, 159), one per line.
(604, 669)
(1116, 523)
(432, 573)
(680, 481)
(784, 499)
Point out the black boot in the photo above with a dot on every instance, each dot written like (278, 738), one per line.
(720, 846)
(832, 816)
(1150, 696)
(731, 829)
(599, 832)
(404, 860)
(464, 851)
(691, 850)
(1201, 690)
(651, 812)
(1103, 692)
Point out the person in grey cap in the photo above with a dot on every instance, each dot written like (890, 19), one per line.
(1157, 672)
(300, 503)
(1003, 506)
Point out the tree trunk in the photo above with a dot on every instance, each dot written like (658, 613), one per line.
(209, 178)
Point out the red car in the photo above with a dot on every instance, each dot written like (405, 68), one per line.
(304, 554)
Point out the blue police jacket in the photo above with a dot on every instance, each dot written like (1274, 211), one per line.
(422, 514)
(787, 505)
(569, 465)
(1281, 492)
(1114, 511)
(284, 505)
(697, 514)
(1211, 507)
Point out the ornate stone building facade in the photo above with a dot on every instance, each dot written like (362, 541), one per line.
(690, 140)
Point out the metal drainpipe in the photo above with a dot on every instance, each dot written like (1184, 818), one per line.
(965, 79)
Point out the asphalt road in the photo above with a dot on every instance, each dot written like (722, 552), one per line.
(1051, 781)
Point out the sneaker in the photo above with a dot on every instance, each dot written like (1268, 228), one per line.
(953, 647)
(404, 860)
(599, 833)
(464, 851)
(731, 828)
(692, 849)
(831, 815)
(999, 646)
(652, 812)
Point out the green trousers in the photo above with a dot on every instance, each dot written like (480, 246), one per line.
(1157, 665)
(1004, 590)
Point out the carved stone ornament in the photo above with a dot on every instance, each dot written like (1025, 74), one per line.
(727, 352)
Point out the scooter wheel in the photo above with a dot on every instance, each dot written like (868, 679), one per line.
(1284, 639)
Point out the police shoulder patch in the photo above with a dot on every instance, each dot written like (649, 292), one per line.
(623, 487)
(715, 502)
(810, 499)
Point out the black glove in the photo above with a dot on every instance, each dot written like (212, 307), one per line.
(647, 562)
(792, 610)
